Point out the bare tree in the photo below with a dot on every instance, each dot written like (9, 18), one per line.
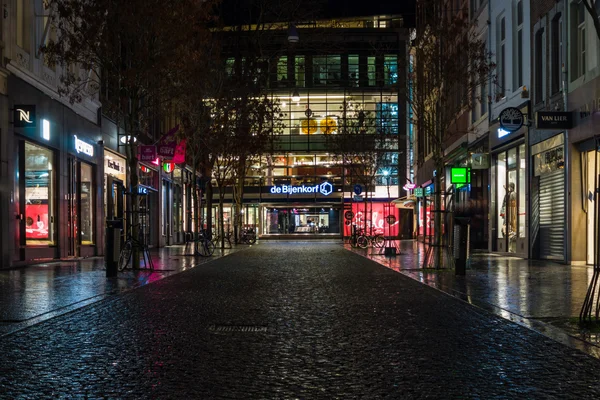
(451, 63)
(130, 51)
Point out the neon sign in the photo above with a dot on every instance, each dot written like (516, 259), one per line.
(324, 188)
(83, 147)
(409, 186)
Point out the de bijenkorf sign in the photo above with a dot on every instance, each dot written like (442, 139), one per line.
(324, 188)
(511, 119)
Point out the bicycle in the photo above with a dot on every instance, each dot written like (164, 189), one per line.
(216, 239)
(130, 244)
(204, 246)
(248, 236)
(377, 240)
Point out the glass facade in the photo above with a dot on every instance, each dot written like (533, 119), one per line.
(301, 219)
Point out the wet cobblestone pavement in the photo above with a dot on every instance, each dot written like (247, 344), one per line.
(34, 293)
(541, 295)
(289, 320)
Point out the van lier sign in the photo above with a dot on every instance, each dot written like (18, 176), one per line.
(554, 120)
(324, 188)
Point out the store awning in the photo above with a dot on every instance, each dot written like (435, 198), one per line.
(407, 202)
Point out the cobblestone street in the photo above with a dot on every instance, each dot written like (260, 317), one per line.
(306, 320)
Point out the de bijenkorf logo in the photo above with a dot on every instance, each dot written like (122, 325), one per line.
(326, 188)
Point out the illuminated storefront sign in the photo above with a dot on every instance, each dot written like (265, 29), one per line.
(83, 147)
(324, 188)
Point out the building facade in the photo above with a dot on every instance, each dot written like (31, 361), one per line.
(303, 186)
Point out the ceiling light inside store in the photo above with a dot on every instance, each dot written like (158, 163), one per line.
(295, 96)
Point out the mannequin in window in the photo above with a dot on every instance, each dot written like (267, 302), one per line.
(509, 213)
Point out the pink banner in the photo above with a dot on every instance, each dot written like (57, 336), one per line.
(167, 144)
(147, 153)
(179, 157)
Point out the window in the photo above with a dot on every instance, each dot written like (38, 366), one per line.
(501, 65)
(282, 71)
(39, 195)
(557, 53)
(581, 39)
(299, 71)
(353, 74)
(519, 47)
(390, 70)
(86, 204)
(23, 24)
(577, 48)
(539, 67)
(229, 66)
(371, 71)
(327, 70)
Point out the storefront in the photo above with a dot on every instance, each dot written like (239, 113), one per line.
(148, 203)
(303, 210)
(115, 181)
(509, 189)
(56, 189)
(82, 226)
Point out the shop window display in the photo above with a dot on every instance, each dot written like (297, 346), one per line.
(39, 195)
(301, 220)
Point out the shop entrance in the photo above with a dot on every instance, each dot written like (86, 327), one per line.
(511, 182)
(301, 220)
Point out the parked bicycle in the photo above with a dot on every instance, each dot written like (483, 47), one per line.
(203, 245)
(365, 240)
(248, 236)
(132, 243)
(225, 240)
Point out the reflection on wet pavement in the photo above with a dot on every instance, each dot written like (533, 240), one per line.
(37, 292)
(542, 295)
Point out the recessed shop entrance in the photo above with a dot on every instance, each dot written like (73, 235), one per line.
(301, 220)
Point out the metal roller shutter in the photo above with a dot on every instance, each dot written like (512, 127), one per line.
(552, 215)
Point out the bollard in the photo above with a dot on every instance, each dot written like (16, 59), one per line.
(112, 246)
(461, 241)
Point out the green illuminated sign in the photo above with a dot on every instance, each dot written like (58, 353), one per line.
(460, 175)
(418, 192)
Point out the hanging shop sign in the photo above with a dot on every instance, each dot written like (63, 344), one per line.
(83, 147)
(511, 119)
(409, 186)
(324, 188)
(168, 167)
(418, 192)
(142, 190)
(24, 116)
(147, 153)
(553, 120)
(348, 215)
(460, 175)
(167, 144)
(358, 189)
